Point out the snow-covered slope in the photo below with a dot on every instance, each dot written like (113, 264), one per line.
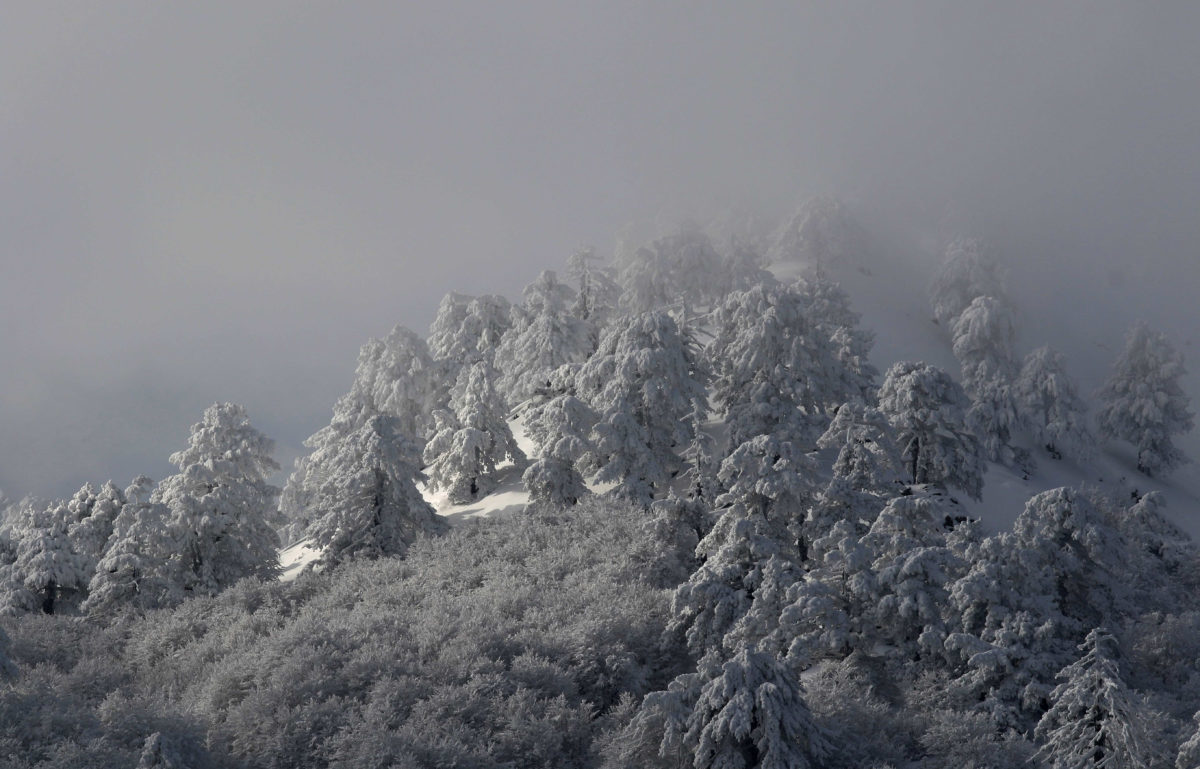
(892, 297)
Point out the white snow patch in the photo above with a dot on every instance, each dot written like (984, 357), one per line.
(294, 558)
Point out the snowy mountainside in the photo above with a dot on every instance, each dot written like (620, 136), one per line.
(893, 299)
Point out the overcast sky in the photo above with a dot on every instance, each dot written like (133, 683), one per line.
(221, 201)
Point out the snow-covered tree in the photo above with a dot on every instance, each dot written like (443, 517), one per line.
(46, 567)
(822, 232)
(396, 376)
(468, 329)
(1189, 752)
(561, 429)
(681, 267)
(828, 308)
(220, 502)
(751, 712)
(598, 293)
(138, 568)
(969, 270)
(772, 372)
(472, 442)
(775, 478)
(1144, 403)
(1093, 720)
(865, 472)
(645, 381)
(984, 334)
(1050, 404)
(92, 529)
(927, 410)
(368, 504)
(547, 336)
(994, 418)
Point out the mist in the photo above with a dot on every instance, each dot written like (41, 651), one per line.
(222, 202)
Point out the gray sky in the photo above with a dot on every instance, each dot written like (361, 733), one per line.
(223, 201)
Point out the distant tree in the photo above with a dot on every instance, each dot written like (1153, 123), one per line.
(828, 308)
(927, 409)
(546, 336)
(368, 504)
(1144, 403)
(983, 334)
(598, 293)
(220, 502)
(995, 420)
(472, 442)
(645, 381)
(681, 267)
(1049, 402)
(822, 232)
(1093, 719)
(969, 270)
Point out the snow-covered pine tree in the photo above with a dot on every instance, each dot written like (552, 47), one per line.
(751, 712)
(680, 267)
(46, 569)
(994, 418)
(773, 477)
(91, 531)
(138, 568)
(969, 270)
(772, 371)
(561, 429)
(1144, 403)
(220, 502)
(984, 334)
(644, 381)
(471, 443)
(927, 410)
(1050, 404)
(396, 376)
(547, 336)
(822, 232)
(828, 308)
(368, 504)
(467, 330)
(1093, 720)
(597, 295)
(865, 473)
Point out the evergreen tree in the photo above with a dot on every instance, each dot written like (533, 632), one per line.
(598, 293)
(644, 382)
(681, 267)
(1093, 720)
(561, 429)
(138, 568)
(91, 531)
(547, 336)
(46, 567)
(828, 308)
(1049, 402)
(468, 330)
(220, 502)
(396, 376)
(1143, 402)
(968, 271)
(463, 455)
(823, 233)
(368, 504)
(927, 410)
(984, 334)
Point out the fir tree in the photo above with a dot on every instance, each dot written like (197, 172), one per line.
(1143, 402)
(968, 271)
(546, 337)
(1049, 402)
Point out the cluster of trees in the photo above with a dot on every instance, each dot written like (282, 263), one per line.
(738, 553)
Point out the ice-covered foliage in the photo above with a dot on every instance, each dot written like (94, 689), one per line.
(828, 308)
(1050, 404)
(396, 376)
(822, 232)
(995, 419)
(644, 381)
(927, 409)
(561, 429)
(546, 335)
(774, 372)
(220, 502)
(138, 569)
(93, 522)
(1094, 720)
(865, 473)
(984, 334)
(470, 443)
(969, 270)
(775, 478)
(367, 504)
(1189, 752)
(1144, 403)
(46, 567)
(597, 292)
(468, 330)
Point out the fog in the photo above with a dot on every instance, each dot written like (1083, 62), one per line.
(223, 201)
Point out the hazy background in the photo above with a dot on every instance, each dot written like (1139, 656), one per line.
(223, 201)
